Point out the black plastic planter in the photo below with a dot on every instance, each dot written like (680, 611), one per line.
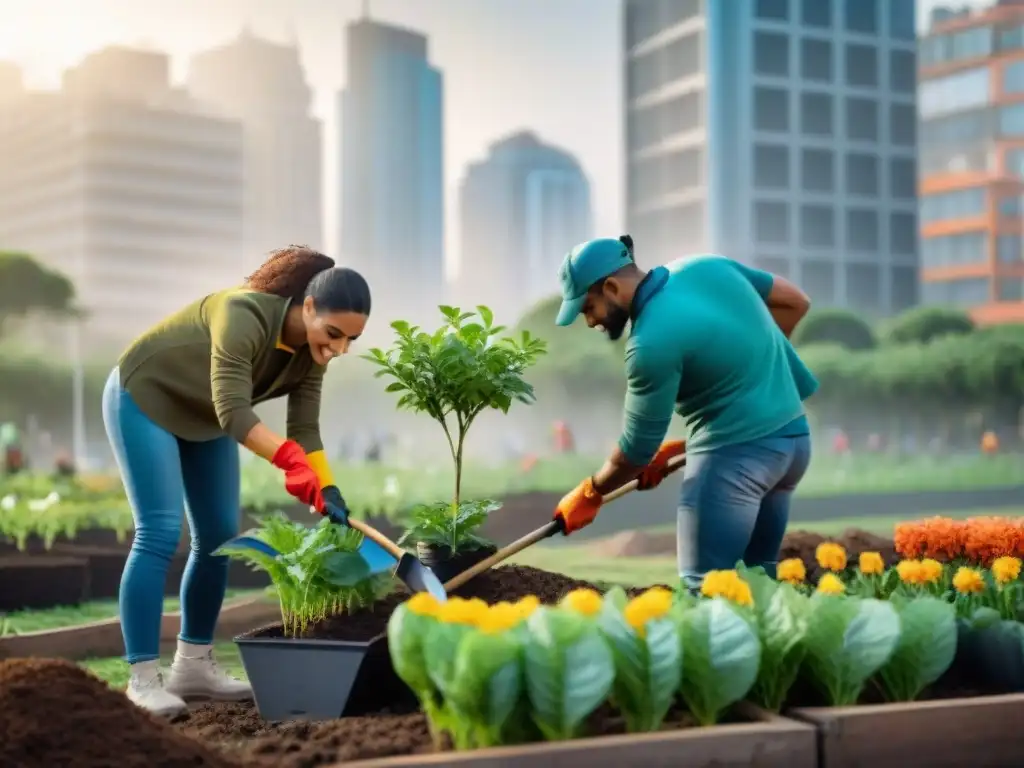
(320, 679)
(440, 560)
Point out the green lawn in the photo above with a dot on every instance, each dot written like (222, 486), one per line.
(115, 671)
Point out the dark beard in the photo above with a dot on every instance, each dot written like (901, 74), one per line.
(615, 322)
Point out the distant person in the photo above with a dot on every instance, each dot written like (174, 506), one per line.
(564, 441)
(177, 407)
(64, 466)
(990, 443)
(708, 340)
(840, 443)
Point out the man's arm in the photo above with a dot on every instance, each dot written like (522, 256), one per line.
(786, 302)
(652, 387)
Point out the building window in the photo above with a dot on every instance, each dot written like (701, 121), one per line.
(773, 10)
(864, 286)
(1009, 207)
(679, 10)
(681, 114)
(1010, 39)
(902, 125)
(902, 71)
(817, 173)
(818, 278)
(644, 74)
(771, 222)
(771, 54)
(815, 13)
(861, 16)
(954, 250)
(975, 127)
(861, 119)
(902, 179)
(901, 19)
(903, 233)
(682, 57)
(954, 93)
(1013, 162)
(682, 169)
(949, 206)
(771, 109)
(771, 166)
(1013, 77)
(862, 230)
(862, 174)
(817, 226)
(974, 43)
(904, 288)
(1008, 249)
(684, 226)
(1009, 289)
(776, 265)
(966, 292)
(816, 114)
(1011, 120)
(816, 60)
(862, 65)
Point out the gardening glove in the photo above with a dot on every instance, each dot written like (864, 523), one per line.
(334, 505)
(579, 507)
(656, 471)
(299, 478)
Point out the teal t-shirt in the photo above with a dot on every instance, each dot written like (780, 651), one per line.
(703, 344)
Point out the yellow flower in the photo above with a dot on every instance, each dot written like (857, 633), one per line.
(792, 570)
(1006, 569)
(831, 556)
(585, 601)
(931, 570)
(871, 563)
(459, 611)
(423, 604)
(728, 585)
(650, 605)
(968, 581)
(910, 571)
(830, 584)
(527, 605)
(500, 617)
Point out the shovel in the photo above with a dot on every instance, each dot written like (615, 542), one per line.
(544, 532)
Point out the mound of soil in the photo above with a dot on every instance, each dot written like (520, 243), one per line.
(53, 713)
(802, 545)
(507, 582)
(635, 544)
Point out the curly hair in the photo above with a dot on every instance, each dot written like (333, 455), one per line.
(288, 271)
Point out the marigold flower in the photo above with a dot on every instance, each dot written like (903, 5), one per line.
(728, 585)
(460, 611)
(931, 570)
(585, 601)
(1006, 569)
(910, 571)
(792, 570)
(527, 605)
(423, 604)
(500, 617)
(650, 605)
(830, 584)
(871, 563)
(968, 581)
(831, 556)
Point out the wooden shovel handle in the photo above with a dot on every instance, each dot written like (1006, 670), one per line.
(372, 533)
(546, 531)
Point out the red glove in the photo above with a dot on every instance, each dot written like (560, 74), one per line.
(299, 478)
(652, 475)
(579, 507)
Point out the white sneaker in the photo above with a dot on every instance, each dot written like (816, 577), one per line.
(146, 690)
(196, 675)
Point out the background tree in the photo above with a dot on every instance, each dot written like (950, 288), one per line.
(835, 326)
(923, 324)
(27, 286)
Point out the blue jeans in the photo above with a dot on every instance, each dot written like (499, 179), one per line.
(735, 502)
(160, 472)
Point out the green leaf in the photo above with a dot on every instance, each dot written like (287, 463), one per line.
(487, 683)
(925, 650)
(406, 632)
(780, 612)
(569, 670)
(343, 569)
(722, 655)
(848, 641)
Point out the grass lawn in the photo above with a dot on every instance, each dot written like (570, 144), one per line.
(115, 671)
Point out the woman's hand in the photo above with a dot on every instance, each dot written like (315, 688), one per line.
(299, 478)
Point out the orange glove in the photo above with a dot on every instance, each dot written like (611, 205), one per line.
(579, 507)
(652, 475)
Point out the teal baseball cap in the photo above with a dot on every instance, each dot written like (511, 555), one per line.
(585, 265)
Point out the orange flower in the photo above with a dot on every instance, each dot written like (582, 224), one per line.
(989, 538)
(939, 538)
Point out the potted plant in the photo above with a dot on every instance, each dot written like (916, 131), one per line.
(454, 374)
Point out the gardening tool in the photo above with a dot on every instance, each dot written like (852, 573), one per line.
(544, 532)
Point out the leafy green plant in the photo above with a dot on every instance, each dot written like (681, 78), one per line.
(925, 649)
(317, 573)
(443, 525)
(453, 375)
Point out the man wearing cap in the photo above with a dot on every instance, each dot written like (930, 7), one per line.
(708, 340)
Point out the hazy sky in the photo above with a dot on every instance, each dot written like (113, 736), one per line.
(549, 65)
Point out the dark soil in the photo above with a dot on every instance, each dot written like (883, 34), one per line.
(42, 581)
(507, 582)
(802, 544)
(54, 714)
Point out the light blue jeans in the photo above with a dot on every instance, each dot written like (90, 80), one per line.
(734, 505)
(160, 472)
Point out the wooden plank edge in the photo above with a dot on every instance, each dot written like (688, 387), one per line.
(791, 744)
(820, 715)
(102, 639)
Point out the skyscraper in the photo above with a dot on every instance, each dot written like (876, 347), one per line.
(392, 180)
(262, 85)
(781, 133)
(972, 161)
(521, 209)
(122, 183)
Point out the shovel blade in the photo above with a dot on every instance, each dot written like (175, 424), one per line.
(377, 558)
(419, 578)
